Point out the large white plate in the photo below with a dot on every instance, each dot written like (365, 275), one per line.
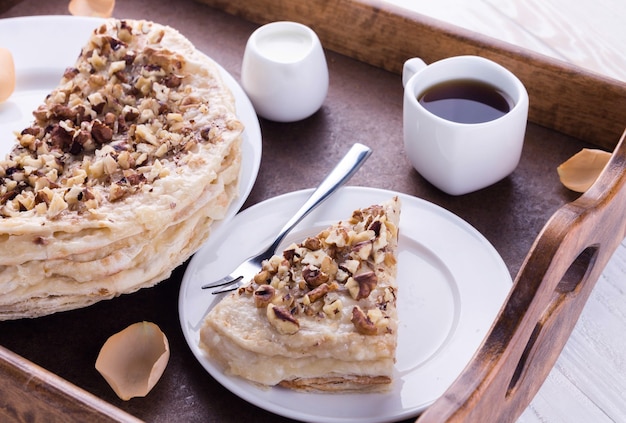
(452, 283)
(44, 46)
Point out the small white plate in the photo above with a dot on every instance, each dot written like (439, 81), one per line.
(452, 283)
(44, 46)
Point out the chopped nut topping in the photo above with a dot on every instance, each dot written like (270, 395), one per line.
(282, 320)
(362, 322)
(263, 295)
(314, 276)
(312, 243)
(318, 292)
(363, 249)
(362, 284)
(332, 275)
(333, 308)
(125, 105)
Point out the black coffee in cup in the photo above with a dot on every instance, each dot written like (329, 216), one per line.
(465, 101)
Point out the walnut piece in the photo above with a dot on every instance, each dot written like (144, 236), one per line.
(314, 276)
(318, 292)
(282, 320)
(362, 322)
(362, 284)
(263, 295)
(333, 308)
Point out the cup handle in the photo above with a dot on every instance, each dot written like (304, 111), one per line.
(410, 68)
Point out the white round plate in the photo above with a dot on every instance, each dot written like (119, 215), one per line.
(452, 283)
(44, 46)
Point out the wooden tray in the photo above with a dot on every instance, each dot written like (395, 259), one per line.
(46, 365)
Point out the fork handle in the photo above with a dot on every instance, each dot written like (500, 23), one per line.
(343, 171)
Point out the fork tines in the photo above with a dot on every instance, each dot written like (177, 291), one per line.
(224, 282)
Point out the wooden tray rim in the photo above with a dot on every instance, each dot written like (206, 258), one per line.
(376, 44)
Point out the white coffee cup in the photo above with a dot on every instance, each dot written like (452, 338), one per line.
(456, 157)
(284, 71)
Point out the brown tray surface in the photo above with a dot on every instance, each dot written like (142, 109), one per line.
(364, 105)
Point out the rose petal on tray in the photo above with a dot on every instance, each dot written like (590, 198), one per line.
(95, 8)
(133, 360)
(581, 170)
(7, 74)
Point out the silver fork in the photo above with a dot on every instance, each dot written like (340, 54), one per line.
(350, 163)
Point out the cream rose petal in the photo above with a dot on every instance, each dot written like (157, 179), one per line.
(7, 74)
(96, 8)
(581, 170)
(132, 361)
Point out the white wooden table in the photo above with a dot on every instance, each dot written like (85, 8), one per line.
(588, 382)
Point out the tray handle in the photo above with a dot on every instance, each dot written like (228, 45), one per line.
(545, 302)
